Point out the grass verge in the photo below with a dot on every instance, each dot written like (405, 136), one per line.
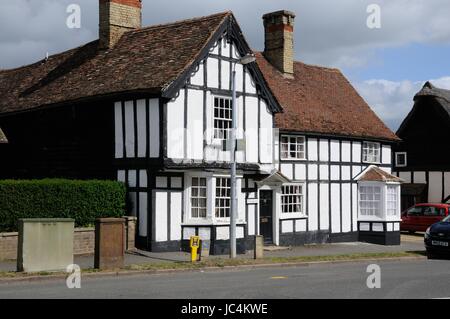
(222, 262)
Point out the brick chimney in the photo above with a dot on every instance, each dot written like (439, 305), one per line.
(279, 40)
(116, 18)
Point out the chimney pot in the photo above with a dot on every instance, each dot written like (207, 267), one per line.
(279, 40)
(116, 18)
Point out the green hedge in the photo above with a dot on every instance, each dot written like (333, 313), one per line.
(83, 201)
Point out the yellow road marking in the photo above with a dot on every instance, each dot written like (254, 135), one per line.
(278, 277)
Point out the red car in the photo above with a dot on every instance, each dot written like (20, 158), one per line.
(421, 216)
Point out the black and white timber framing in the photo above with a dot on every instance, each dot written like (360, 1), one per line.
(177, 129)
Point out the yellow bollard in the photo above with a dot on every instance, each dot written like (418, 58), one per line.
(195, 244)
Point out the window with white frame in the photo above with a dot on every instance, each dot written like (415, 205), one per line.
(223, 200)
(400, 159)
(370, 204)
(222, 117)
(371, 152)
(392, 200)
(292, 147)
(198, 197)
(292, 199)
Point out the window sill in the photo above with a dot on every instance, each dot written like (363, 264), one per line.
(293, 159)
(372, 163)
(373, 220)
(292, 216)
(210, 222)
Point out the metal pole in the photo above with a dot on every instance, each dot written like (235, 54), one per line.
(233, 206)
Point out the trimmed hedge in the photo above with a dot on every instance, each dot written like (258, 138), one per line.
(83, 201)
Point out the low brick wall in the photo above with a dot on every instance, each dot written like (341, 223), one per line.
(8, 246)
(83, 241)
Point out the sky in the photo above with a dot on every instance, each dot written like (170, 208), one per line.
(387, 65)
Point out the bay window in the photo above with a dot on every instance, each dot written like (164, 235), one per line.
(370, 201)
(392, 200)
(379, 201)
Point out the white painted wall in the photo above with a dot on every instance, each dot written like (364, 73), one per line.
(356, 151)
(323, 145)
(335, 208)
(300, 172)
(251, 132)
(176, 207)
(266, 134)
(312, 149)
(175, 127)
(435, 187)
(335, 150)
(129, 129)
(324, 207)
(346, 208)
(194, 132)
(312, 206)
(406, 176)
(420, 178)
(287, 170)
(213, 72)
(154, 121)
(161, 211)
(251, 219)
(355, 205)
(346, 151)
(143, 214)
(386, 154)
(141, 121)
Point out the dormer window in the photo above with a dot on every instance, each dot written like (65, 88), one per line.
(371, 152)
(400, 159)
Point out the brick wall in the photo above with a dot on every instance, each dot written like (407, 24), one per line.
(8, 246)
(117, 17)
(83, 240)
(279, 40)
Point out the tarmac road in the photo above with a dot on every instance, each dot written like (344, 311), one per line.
(399, 279)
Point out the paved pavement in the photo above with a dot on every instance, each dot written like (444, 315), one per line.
(401, 279)
(409, 243)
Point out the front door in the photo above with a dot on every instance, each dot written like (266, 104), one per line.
(266, 216)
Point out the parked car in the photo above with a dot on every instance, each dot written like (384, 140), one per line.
(421, 216)
(437, 238)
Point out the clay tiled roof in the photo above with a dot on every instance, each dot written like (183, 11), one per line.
(144, 60)
(321, 100)
(376, 174)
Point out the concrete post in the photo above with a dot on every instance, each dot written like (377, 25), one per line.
(130, 233)
(109, 243)
(259, 247)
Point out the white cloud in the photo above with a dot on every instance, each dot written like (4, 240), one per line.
(328, 32)
(391, 100)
